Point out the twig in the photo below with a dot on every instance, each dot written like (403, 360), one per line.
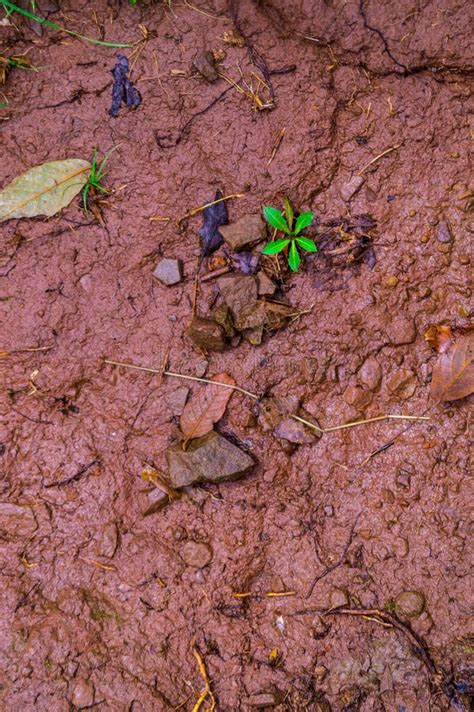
(375, 420)
(207, 692)
(208, 205)
(74, 478)
(340, 560)
(381, 155)
(24, 351)
(215, 273)
(277, 144)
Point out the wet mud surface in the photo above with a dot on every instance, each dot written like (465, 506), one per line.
(100, 606)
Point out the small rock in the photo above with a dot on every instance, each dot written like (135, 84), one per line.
(176, 400)
(222, 315)
(391, 281)
(204, 62)
(243, 233)
(152, 500)
(444, 248)
(294, 432)
(108, 541)
(16, 521)
(196, 554)
(401, 330)
(403, 384)
(358, 397)
(200, 367)
(464, 259)
(206, 334)
(238, 291)
(370, 374)
(444, 232)
(265, 699)
(401, 547)
(328, 510)
(83, 694)
(320, 673)
(265, 286)
(410, 604)
(211, 458)
(350, 188)
(338, 597)
(403, 479)
(169, 271)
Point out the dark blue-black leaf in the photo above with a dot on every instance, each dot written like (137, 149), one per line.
(213, 217)
(123, 89)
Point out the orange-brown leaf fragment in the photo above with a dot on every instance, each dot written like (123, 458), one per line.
(206, 407)
(453, 373)
(439, 337)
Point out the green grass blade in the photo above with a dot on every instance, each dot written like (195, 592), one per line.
(276, 219)
(294, 259)
(14, 8)
(303, 220)
(307, 244)
(272, 248)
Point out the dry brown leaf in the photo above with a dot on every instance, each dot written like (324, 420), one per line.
(206, 407)
(439, 337)
(453, 373)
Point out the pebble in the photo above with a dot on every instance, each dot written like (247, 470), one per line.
(265, 286)
(464, 259)
(403, 479)
(370, 374)
(400, 547)
(206, 334)
(358, 397)
(401, 330)
(152, 500)
(83, 694)
(169, 271)
(108, 541)
(350, 188)
(211, 458)
(320, 673)
(338, 597)
(264, 699)
(196, 554)
(444, 249)
(244, 232)
(200, 367)
(391, 281)
(16, 521)
(176, 400)
(238, 291)
(328, 510)
(410, 604)
(444, 232)
(205, 64)
(403, 384)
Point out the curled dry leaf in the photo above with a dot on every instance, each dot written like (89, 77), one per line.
(44, 189)
(439, 337)
(453, 373)
(206, 407)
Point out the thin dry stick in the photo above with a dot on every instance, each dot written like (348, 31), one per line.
(277, 144)
(207, 692)
(208, 205)
(375, 420)
(381, 155)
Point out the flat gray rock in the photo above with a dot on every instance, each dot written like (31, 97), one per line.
(211, 458)
(244, 232)
(169, 271)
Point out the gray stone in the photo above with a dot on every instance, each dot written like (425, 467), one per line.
(196, 554)
(266, 288)
(238, 291)
(338, 597)
(370, 374)
(410, 604)
(176, 400)
(211, 458)
(206, 334)
(444, 233)
(350, 188)
(169, 271)
(152, 500)
(244, 232)
(83, 694)
(205, 64)
(108, 541)
(401, 330)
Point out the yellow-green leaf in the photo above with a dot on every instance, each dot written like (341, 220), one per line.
(44, 189)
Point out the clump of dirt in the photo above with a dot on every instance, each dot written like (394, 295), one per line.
(121, 593)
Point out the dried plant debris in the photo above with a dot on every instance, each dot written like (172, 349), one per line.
(213, 217)
(347, 241)
(206, 407)
(453, 373)
(123, 90)
(439, 337)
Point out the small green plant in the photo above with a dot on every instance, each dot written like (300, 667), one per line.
(294, 240)
(95, 175)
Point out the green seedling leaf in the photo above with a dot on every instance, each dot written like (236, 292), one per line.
(44, 189)
(47, 23)
(272, 248)
(302, 221)
(294, 257)
(307, 244)
(276, 219)
(289, 213)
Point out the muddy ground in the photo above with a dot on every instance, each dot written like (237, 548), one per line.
(98, 607)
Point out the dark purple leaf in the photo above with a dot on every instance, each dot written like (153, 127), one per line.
(213, 217)
(245, 262)
(123, 89)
